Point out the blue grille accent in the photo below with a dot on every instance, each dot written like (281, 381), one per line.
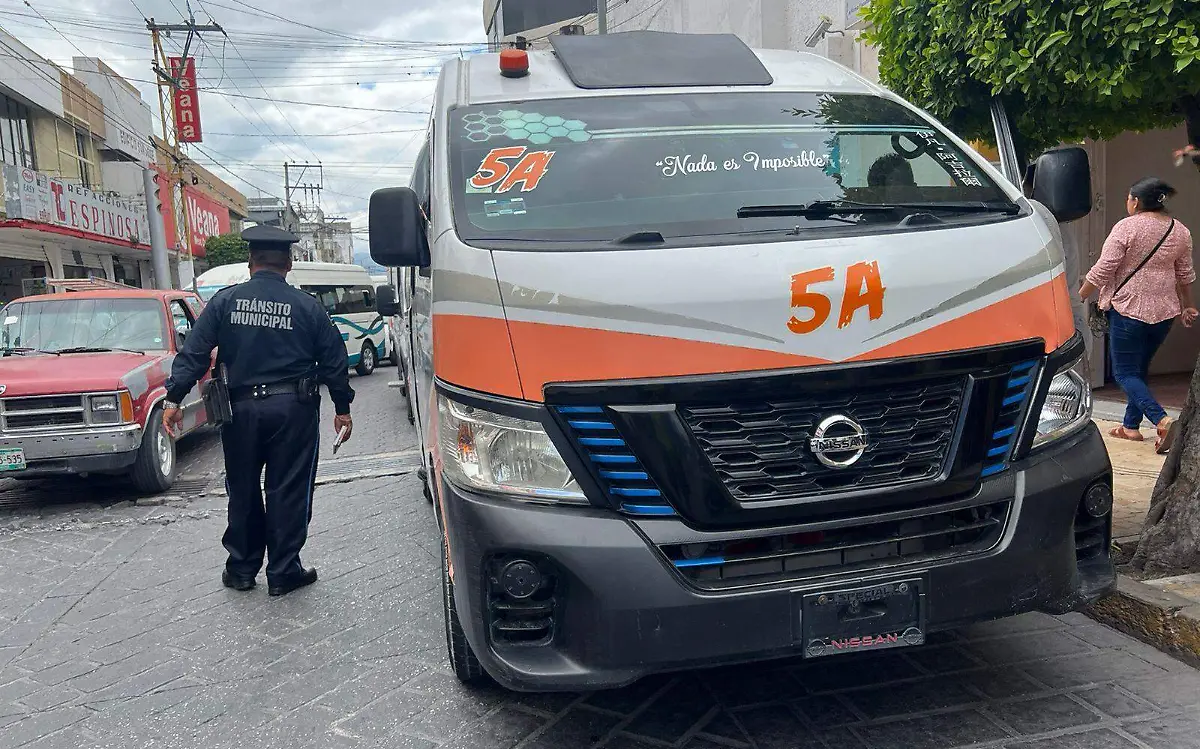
(647, 509)
(621, 474)
(602, 442)
(699, 562)
(1016, 392)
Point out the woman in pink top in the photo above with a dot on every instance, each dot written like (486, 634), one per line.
(1143, 300)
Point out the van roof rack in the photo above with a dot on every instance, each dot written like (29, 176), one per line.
(658, 59)
(86, 284)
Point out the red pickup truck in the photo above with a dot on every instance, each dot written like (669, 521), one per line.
(81, 383)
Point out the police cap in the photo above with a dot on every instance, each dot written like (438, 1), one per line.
(267, 238)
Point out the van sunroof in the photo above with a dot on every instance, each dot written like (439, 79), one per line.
(652, 59)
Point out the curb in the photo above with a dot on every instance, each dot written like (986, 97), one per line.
(1167, 621)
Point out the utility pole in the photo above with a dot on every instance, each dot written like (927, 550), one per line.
(602, 16)
(310, 208)
(168, 83)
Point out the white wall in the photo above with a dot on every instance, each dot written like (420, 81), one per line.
(127, 117)
(25, 73)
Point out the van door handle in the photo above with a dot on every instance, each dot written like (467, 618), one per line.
(424, 272)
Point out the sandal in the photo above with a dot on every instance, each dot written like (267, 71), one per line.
(1167, 431)
(1123, 433)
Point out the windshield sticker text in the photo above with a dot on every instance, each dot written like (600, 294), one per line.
(960, 172)
(863, 288)
(497, 174)
(801, 160)
(674, 166)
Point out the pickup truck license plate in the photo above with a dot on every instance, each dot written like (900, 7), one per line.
(853, 620)
(12, 459)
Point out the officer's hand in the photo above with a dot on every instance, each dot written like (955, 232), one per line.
(343, 422)
(172, 418)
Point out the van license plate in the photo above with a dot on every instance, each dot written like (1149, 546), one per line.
(854, 620)
(12, 459)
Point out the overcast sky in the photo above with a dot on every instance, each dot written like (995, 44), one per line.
(362, 55)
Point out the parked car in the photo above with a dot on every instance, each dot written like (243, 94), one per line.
(82, 382)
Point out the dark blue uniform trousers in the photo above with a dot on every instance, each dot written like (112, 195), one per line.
(281, 434)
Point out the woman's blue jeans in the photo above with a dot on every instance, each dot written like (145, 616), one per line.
(1132, 345)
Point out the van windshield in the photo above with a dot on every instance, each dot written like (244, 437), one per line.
(598, 169)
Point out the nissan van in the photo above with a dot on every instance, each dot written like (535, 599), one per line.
(722, 355)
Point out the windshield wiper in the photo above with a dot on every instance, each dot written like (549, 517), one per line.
(824, 208)
(10, 350)
(95, 350)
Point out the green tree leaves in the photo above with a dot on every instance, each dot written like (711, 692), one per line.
(226, 249)
(1067, 69)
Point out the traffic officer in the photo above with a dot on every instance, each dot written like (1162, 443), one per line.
(275, 342)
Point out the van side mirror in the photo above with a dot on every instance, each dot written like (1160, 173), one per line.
(397, 229)
(385, 301)
(1062, 181)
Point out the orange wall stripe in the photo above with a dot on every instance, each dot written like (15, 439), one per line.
(1030, 314)
(474, 353)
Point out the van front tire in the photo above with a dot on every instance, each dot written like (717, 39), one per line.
(462, 658)
(366, 360)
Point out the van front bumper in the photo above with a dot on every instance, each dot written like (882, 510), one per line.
(93, 450)
(622, 611)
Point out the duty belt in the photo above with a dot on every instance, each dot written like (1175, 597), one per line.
(247, 392)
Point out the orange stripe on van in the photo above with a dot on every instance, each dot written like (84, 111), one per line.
(559, 353)
(475, 353)
(1030, 314)
(1062, 305)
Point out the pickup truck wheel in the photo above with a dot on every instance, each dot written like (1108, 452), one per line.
(366, 360)
(155, 468)
(462, 658)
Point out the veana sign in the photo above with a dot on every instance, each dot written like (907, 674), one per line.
(34, 196)
(185, 101)
(206, 218)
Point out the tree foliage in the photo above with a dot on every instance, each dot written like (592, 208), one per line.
(225, 249)
(1066, 69)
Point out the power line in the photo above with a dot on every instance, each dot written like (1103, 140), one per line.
(238, 52)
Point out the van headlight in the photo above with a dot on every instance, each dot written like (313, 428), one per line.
(503, 454)
(1068, 404)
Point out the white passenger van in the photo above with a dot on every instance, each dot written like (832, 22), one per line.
(723, 355)
(346, 291)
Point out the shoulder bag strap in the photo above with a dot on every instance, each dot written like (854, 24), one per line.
(1146, 259)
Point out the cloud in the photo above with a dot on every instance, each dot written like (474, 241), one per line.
(362, 55)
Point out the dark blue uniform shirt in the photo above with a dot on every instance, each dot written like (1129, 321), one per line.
(266, 331)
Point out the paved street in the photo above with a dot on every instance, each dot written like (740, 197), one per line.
(115, 633)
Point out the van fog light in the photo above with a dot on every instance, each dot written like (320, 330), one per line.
(1098, 500)
(520, 579)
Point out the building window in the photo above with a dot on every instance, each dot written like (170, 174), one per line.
(16, 143)
(85, 164)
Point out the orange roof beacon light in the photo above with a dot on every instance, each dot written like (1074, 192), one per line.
(514, 63)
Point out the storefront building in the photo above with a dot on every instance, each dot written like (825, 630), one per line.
(61, 216)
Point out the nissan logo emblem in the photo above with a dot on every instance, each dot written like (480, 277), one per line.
(838, 442)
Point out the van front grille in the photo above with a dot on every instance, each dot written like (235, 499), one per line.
(761, 451)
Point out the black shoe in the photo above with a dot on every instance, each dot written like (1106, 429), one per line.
(305, 578)
(236, 582)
